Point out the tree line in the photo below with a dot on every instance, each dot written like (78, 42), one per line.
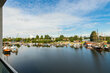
(95, 37)
(43, 39)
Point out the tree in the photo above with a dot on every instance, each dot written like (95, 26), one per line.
(33, 40)
(37, 36)
(71, 39)
(5, 39)
(85, 37)
(76, 37)
(41, 37)
(93, 36)
(47, 37)
(61, 37)
(108, 40)
(18, 39)
(57, 39)
(80, 38)
(27, 40)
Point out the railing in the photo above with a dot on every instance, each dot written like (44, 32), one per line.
(6, 68)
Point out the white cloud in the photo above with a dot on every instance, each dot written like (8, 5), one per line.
(15, 22)
(90, 25)
(65, 13)
(80, 7)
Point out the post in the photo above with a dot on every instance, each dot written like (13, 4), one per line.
(0, 31)
(1, 5)
(1, 21)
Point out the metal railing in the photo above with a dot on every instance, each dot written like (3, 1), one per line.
(8, 68)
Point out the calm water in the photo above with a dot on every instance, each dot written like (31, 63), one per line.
(59, 60)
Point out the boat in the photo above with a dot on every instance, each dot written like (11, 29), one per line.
(97, 47)
(106, 47)
(59, 45)
(89, 46)
(14, 49)
(76, 45)
(6, 49)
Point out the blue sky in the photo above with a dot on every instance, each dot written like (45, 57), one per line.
(55, 17)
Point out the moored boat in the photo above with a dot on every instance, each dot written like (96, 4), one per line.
(106, 47)
(96, 47)
(6, 49)
(14, 49)
(88, 45)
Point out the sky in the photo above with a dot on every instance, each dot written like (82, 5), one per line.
(25, 18)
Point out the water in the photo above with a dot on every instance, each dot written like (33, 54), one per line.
(59, 60)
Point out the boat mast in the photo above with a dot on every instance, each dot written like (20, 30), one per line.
(97, 35)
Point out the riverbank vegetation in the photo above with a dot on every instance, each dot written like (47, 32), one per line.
(94, 37)
(43, 39)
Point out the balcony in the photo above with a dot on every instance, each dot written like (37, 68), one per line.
(5, 67)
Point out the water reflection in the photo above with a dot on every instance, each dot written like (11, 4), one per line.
(58, 59)
(97, 58)
(18, 45)
(6, 53)
(93, 51)
(13, 51)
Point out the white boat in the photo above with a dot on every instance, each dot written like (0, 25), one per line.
(14, 48)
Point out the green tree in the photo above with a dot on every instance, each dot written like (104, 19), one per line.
(57, 39)
(94, 36)
(41, 37)
(47, 37)
(85, 37)
(18, 39)
(33, 40)
(37, 36)
(80, 38)
(27, 40)
(61, 37)
(108, 40)
(71, 39)
(5, 39)
(76, 37)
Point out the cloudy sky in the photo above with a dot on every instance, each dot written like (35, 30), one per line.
(54, 17)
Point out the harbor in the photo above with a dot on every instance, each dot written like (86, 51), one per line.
(59, 59)
(46, 54)
(13, 47)
(54, 36)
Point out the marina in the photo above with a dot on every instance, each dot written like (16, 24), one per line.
(54, 36)
(40, 59)
(87, 44)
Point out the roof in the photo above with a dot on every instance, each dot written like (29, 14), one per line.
(2, 2)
